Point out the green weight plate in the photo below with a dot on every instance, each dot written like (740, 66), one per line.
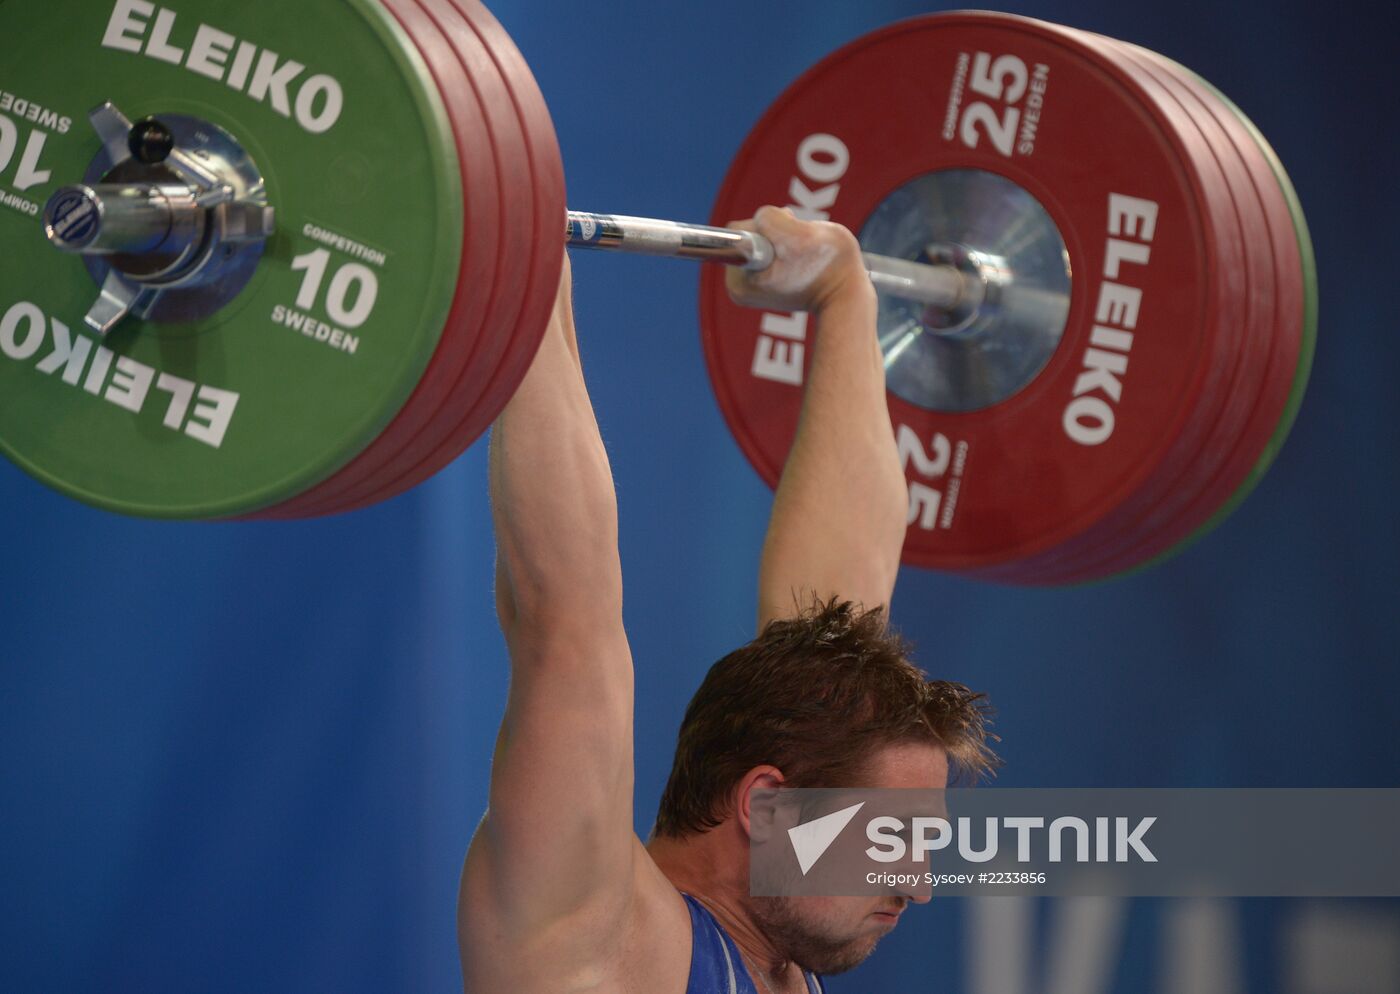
(494, 185)
(367, 192)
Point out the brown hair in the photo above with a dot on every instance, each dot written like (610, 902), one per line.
(814, 695)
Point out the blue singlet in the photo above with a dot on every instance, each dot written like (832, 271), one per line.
(715, 964)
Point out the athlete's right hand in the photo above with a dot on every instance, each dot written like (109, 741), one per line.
(813, 263)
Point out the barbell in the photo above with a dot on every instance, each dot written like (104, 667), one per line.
(296, 274)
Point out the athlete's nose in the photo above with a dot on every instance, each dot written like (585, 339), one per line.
(916, 893)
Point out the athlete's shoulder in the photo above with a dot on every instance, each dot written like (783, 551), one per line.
(639, 944)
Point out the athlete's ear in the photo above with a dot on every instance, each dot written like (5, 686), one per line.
(756, 802)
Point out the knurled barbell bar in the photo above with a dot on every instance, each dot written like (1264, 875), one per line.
(335, 256)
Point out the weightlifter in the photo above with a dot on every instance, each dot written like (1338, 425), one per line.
(558, 893)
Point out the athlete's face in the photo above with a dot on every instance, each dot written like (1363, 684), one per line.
(834, 934)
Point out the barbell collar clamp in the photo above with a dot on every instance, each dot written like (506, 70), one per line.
(150, 142)
(169, 204)
(113, 129)
(117, 299)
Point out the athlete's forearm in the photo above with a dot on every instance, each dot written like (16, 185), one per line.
(839, 514)
(552, 495)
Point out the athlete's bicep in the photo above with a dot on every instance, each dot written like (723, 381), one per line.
(557, 837)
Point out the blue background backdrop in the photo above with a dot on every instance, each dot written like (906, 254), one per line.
(249, 757)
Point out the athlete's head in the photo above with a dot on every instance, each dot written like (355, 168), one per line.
(816, 696)
(825, 699)
(833, 934)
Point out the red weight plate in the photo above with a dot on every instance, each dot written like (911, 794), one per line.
(1222, 406)
(1302, 269)
(482, 119)
(1246, 319)
(545, 252)
(1276, 361)
(1190, 503)
(538, 265)
(547, 246)
(1015, 483)
(480, 250)
(517, 264)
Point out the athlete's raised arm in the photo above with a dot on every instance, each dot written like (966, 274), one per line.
(839, 514)
(549, 871)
